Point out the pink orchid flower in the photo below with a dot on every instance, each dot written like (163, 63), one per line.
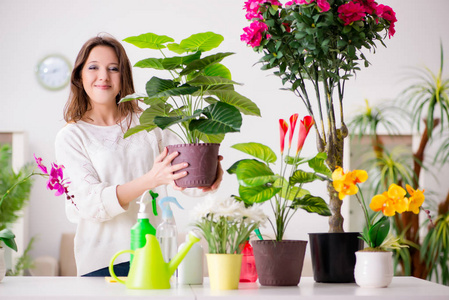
(293, 119)
(283, 128)
(304, 128)
(39, 164)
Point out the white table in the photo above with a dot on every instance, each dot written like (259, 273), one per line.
(402, 288)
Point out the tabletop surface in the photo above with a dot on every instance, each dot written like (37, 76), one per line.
(27, 287)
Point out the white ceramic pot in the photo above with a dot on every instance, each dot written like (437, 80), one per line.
(373, 269)
(2, 264)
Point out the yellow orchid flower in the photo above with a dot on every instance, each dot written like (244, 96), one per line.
(416, 199)
(391, 201)
(346, 183)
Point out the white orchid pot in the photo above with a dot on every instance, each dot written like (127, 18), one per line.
(373, 269)
(2, 264)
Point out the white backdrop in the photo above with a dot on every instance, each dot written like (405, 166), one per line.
(30, 30)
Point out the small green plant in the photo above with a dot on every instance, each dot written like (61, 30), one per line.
(259, 183)
(199, 97)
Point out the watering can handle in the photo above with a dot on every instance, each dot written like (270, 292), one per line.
(111, 264)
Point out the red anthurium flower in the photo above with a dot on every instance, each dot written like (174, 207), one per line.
(283, 128)
(293, 119)
(304, 128)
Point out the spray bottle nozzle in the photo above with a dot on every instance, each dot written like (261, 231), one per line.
(144, 201)
(164, 204)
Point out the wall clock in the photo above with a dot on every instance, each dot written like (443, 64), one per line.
(53, 72)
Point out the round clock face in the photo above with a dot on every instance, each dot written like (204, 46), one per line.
(53, 72)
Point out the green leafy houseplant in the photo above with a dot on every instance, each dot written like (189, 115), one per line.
(199, 96)
(226, 223)
(259, 183)
(314, 47)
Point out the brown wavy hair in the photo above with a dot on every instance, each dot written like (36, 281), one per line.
(78, 103)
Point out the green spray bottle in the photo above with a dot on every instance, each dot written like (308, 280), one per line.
(143, 225)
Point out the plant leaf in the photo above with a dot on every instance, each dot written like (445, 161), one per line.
(218, 70)
(318, 164)
(157, 87)
(203, 42)
(312, 204)
(245, 105)
(301, 176)
(149, 40)
(379, 231)
(221, 118)
(201, 64)
(209, 81)
(257, 194)
(252, 173)
(257, 150)
(152, 63)
(135, 96)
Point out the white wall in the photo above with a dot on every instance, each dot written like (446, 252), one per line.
(30, 29)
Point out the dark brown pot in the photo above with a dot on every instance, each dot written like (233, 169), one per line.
(279, 263)
(202, 160)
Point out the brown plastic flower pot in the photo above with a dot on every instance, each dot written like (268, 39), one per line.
(202, 160)
(279, 263)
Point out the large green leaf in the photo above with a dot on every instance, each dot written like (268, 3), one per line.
(312, 204)
(135, 96)
(301, 176)
(203, 42)
(208, 81)
(157, 87)
(257, 150)
(257, 194)
(7, 236)
(151, 63)
(165, 122)
(201, 64)
(379, 231)
(218, 70)
(221, 118)
(159, 109)
(175, 62)
(149, 40)
(245, 105)
(252, 173)
(138, 128)
(212, 138)
(318, 164)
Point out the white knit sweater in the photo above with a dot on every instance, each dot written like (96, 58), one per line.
(96, 160)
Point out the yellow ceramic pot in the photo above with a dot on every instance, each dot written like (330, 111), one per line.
(224, 271)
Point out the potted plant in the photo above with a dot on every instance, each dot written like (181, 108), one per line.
(374, 264)
(199, 97)
(7, 237)
(226, 224)
(279, 261)
(314, 47)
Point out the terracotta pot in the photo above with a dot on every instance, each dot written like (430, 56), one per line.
(202, 160)
(279, 263)
(333, 256)
(373, 269)
(224, 271)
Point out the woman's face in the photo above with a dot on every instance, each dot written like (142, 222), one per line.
(101, 76)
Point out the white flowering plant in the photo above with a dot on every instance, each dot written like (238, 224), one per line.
(226, 223)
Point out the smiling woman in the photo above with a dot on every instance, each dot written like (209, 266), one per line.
(109, 172)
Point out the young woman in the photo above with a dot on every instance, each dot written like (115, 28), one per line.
(107, 172)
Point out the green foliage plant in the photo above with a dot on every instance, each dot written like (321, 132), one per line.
(199, 95)
(314, 47)
(285, 190)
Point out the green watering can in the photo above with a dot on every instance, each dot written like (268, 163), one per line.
(148, 270)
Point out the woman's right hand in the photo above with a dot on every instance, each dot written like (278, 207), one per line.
(163, 172)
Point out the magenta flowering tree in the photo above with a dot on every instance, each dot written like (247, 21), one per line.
(314, 47)
(56, 181)
(285, 190)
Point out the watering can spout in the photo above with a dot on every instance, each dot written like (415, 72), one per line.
(174, 263)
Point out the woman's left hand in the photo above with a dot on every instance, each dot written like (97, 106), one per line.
(218, 179)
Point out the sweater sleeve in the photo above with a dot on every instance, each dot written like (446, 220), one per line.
(94, 200)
